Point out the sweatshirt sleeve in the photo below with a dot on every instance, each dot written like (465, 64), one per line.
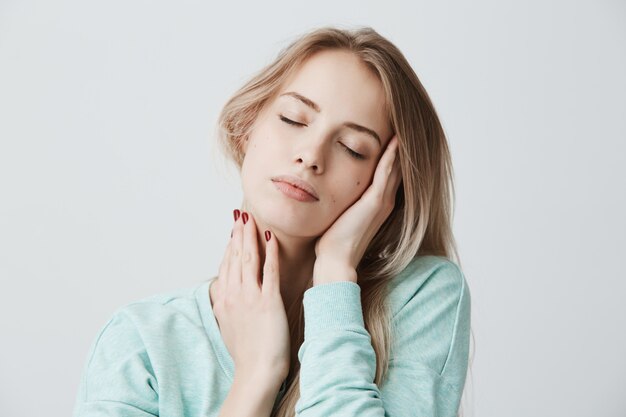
(428, 358)
(118, 379)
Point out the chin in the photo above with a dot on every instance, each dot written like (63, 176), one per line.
(276, 214)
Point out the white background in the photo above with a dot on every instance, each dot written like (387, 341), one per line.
(112, 188)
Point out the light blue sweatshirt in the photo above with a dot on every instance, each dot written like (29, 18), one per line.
(164, 356)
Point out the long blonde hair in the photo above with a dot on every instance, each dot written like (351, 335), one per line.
(420, 223)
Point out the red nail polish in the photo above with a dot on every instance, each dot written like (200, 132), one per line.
(245, 217)
(268, 235)
(236, 214)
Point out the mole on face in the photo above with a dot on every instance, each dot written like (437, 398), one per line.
(358, 183)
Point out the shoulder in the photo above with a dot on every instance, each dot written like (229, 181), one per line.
(160, 334)
(430, 306)
(427, 275)
(165, 297)
(147, 323)
(134, 327)
(159, 306)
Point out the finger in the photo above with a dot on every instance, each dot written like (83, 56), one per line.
(271, 272)
(250, 253)
(234, 265)
(385, 166)
(223, 269)
(395, 178)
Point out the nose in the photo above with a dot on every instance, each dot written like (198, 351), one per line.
(311, 155)
(309, 163)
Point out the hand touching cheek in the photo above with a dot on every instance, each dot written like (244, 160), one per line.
(340, 249)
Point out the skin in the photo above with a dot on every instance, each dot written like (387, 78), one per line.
(324, 239)
(345, 90)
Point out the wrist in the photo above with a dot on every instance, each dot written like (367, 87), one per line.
(249, 395)
(326, 270)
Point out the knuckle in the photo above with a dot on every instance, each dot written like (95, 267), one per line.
(247, 257)
(227, 303)
(218, 306)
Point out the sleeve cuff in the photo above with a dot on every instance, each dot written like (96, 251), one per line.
(332, 306)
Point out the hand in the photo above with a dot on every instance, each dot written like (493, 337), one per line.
(251, 313)
(340, 249)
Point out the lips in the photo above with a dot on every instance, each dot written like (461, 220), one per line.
(298, 183)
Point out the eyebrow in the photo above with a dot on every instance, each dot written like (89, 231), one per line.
(351, 125)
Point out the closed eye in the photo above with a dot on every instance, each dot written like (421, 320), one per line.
(350, 152)
(291, 122)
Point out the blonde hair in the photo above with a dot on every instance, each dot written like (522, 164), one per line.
(420, 223)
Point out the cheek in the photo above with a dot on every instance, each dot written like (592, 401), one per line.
(361, 179)
(265, 144)
(251, 170)
(255, 170)
(347, 192)
(258, 150)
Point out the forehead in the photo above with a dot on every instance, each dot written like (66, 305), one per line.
(343, 87)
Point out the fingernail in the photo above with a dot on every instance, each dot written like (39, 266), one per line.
(245, 217)
(236, 213)
(268, 235)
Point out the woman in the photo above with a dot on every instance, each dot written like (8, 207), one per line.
(338, 293)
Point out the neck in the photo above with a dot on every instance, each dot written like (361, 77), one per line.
(296, 261)
(296, 258)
